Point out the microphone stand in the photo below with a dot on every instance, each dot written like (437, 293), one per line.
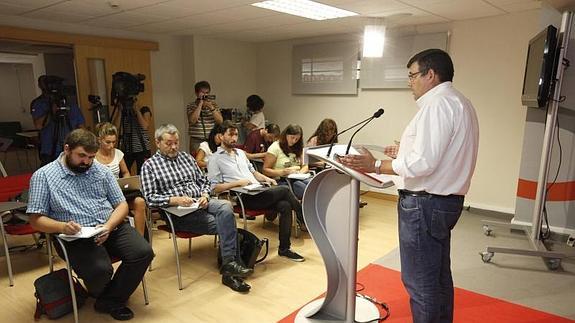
(335, 137)
(351, 139)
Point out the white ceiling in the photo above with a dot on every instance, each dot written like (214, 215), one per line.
(236, 19)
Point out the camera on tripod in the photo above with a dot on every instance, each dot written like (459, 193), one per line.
(126, 86)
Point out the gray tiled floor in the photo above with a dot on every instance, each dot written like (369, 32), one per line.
(518, 279)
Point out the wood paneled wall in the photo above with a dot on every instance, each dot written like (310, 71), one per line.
(119, 55)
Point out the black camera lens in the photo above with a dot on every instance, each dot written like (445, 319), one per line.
(209, 97)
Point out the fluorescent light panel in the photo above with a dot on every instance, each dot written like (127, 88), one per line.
(373, 40)
(305, 8)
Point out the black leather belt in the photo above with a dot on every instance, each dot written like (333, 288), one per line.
(424, 193)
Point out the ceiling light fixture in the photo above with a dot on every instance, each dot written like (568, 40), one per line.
(374, 39)
(305, 8)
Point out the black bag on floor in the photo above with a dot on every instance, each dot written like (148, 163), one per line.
(53, 296)
(249, 248)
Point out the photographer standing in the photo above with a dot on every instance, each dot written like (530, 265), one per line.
(203, 114)
(53, 117)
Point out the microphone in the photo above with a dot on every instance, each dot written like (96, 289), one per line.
(377, 114)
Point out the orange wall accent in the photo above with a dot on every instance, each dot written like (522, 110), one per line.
(564, 191)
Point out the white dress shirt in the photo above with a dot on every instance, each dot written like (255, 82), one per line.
(438, 149)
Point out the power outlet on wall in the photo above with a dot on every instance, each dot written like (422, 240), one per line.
(571, 241)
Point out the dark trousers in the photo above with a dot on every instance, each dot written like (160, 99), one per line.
(425, 224)
(139, 158)
(283, 201)
(93, 265)
(218, 219)
(298, 186)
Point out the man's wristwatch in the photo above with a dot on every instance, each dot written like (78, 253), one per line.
(378, 166)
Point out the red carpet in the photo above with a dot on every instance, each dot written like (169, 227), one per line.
(385, 285)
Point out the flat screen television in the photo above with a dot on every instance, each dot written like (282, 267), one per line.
(540, 68)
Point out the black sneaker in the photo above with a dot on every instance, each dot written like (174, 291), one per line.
(291, 255)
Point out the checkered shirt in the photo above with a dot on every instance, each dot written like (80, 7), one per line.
(163, 177)
(59, 193)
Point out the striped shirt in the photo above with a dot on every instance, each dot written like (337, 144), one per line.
(88, 198)
(163, 177)
(135, 138)
(206, 122)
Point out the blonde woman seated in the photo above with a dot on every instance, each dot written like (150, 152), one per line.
(108, 155)
(284, 157)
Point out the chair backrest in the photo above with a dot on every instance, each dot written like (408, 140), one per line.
(10, 129)
(2, 170)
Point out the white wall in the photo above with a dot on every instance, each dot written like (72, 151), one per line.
(489, 57)
(229, 67)
(16, 92)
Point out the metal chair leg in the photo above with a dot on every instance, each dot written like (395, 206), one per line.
(176, 251)
(7, 253)
(149, 228)
(70, 280)
(190, 248)
(49, 250)
(145, 288)
(243, 210)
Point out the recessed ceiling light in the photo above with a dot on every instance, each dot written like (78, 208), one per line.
(305, 8)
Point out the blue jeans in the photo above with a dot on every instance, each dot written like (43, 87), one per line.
(425, 224)
(217, 218)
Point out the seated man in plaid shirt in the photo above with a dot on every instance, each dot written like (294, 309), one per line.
(172, 177)
(73, 192)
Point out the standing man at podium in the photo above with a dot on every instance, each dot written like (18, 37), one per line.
(436, 160)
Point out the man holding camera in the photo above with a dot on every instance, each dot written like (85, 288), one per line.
(54, 117)
(203, 114)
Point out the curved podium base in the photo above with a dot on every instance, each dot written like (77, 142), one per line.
(364, 311)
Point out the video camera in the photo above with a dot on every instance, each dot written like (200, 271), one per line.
(126, 86)
(208, 97)
(53, 87)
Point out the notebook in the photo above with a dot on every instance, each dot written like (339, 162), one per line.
(182, 210)
(86, 232)
(130, 183)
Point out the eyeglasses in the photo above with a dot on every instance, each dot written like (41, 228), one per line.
(413, 76)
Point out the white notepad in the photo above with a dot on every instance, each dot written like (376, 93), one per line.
(85, 232)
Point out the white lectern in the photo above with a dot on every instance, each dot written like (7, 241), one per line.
(331, 208)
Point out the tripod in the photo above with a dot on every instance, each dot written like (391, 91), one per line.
(62, 126)
(130, 132)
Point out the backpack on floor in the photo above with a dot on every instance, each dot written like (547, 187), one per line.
(53, 296)
(249, 248)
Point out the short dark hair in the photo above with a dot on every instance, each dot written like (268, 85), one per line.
(274, 129)
(254, 103)
(202, 85)
(436, 60)
(227, 124)
(82, 138)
